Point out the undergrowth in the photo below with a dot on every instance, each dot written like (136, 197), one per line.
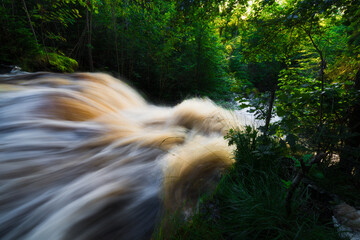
(249, 201)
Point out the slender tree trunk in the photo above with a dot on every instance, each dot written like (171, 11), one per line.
(198, 60)
(349, 161)
(115, 36)
(12, 8)
(125, 26)
(88, 24)
(269, 112)
(29, 19)
(148, 73)
(43, 41)
(322, 79)
(321, 75)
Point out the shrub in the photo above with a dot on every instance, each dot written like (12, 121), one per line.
(249, 202)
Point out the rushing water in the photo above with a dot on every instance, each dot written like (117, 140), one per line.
(84, 156)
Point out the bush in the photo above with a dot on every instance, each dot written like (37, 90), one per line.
(249, 202)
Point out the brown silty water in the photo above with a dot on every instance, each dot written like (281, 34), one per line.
(84, 156)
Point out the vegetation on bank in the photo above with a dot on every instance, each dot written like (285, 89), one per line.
(252, 199)
(299, 59)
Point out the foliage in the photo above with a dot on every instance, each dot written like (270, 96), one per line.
(13, 27)
(168, 49)
(56, 62)
(249, 202)
(305, 52)
(299, 106)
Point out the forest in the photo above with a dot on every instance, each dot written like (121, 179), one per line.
(295, 59)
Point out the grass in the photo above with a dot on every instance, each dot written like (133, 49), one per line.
(249, 202)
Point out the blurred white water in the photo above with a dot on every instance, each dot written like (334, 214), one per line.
(248, 118)
(83, 156)
(10, 70)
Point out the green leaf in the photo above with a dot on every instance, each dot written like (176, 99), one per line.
(286, 184)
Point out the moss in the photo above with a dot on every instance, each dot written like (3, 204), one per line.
(57, 62)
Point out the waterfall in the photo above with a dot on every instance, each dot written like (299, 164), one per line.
(84, 156)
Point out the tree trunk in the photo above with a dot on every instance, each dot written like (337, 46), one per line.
(322, 79)
(43, 41)
(349, 157)
(29, 19)
(321, 76)
(123, 53)
(115, 36)
(88, 25)
(269, 112)
(198, 61)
